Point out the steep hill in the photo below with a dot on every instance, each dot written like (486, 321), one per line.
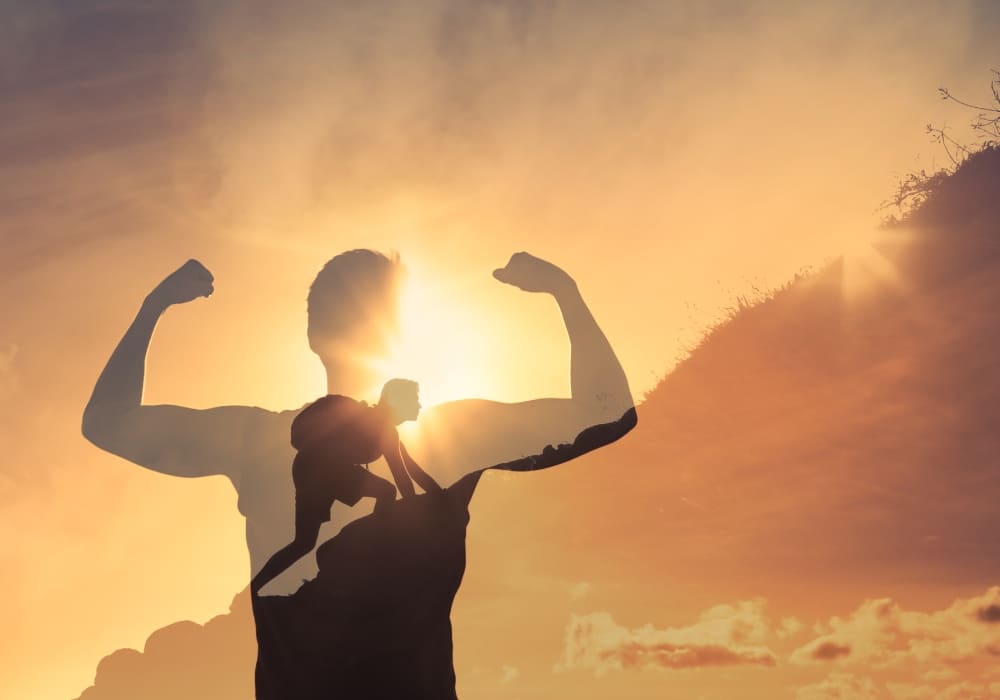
(824, 430)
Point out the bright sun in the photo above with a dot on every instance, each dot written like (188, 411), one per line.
(440, 345)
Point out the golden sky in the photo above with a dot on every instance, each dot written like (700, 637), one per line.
(671, 156)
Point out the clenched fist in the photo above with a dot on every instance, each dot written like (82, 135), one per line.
(532, 274)
(190, 281)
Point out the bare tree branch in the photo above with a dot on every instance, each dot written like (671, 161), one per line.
(915, 187)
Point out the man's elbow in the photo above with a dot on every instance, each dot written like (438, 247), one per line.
(617, 429)
(619, 412)
(100, 427)
(94, 430)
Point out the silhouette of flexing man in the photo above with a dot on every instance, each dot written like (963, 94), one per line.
(334, 436)
(352, 312)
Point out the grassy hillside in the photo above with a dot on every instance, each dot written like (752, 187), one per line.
(824, 430)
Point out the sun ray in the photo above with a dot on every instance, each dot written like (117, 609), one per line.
(868, 265)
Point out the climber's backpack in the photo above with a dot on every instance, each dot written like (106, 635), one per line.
(352, 426)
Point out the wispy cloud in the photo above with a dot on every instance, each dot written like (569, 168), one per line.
(723, 635)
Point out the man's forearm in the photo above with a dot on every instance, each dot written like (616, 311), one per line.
(121, 382)
(597, 379)
(399, 473)
(423, 479)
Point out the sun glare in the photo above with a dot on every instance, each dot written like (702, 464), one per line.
(867, 269)
(439, 344)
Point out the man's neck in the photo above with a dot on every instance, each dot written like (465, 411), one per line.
(354, 382)
(386, 414)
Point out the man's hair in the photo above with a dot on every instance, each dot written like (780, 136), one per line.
(352, 290)
(395, 387)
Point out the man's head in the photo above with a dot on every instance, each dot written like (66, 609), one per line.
(352, 306)
(402, 398)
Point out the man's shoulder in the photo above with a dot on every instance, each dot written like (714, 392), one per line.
(251, 429)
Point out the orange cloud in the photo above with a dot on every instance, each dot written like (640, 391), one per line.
(847, 686)
(723, 635)
(830, 650)
(882, 634)
(840, 686)
(966, 690)
(969, 690)
(184, 659)
(989, 614)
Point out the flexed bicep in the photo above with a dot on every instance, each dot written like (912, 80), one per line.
(459, 438)
(169, 439)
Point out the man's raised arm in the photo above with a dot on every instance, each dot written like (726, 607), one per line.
(169, 439)
(598, 385)
(462, 435)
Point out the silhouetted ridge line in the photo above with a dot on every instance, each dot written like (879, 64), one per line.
(592, 438)
(965, 196)
(375, 622)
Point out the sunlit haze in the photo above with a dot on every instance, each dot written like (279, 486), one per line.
(680, 160)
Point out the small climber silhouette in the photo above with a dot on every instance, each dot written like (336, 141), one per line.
(334, 436)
